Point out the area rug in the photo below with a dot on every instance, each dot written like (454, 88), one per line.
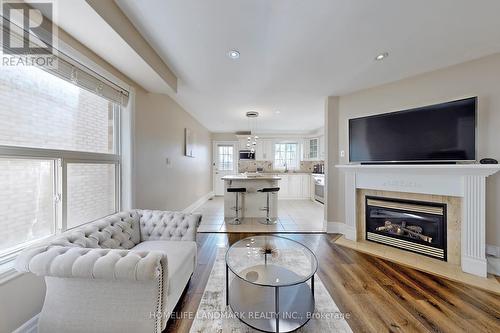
(213, 316)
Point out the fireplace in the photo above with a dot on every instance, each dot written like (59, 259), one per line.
(414, 226)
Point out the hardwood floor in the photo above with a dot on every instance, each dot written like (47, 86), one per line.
(380, 296)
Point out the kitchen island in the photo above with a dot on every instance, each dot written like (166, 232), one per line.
(252, 202)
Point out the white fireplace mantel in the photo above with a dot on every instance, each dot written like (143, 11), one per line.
(467, 181)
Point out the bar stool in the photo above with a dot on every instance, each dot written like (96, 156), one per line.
(237, 208)
(268, 191)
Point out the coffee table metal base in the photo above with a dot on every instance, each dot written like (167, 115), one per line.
(256, 305)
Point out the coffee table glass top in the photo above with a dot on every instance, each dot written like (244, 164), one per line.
(271, 261)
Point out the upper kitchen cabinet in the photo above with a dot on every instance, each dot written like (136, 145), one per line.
(314, 148)
(264, 150)
(322, 148)
(242, 142)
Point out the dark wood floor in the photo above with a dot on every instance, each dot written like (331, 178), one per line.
(380, 296)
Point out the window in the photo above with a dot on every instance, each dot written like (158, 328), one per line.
(59, 155)
(91, 192)
(26, 200)
(226, 157)
(286, 156)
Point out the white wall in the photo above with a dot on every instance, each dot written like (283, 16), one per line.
(224, 137)
(159, 134)
(333, 175)
(475, 78)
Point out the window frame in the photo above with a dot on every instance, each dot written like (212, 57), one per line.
(61, 159)
(297, 157)
(231, 146)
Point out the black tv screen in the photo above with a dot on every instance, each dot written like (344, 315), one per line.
(438, 133)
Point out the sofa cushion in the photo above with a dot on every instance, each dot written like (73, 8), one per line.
(181, 260)
(164, 225)
(117, 231)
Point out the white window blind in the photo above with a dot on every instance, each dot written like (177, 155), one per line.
(72, 71)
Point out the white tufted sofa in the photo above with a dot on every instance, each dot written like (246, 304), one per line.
(122, 273)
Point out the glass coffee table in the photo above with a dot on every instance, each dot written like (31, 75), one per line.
(269, 290)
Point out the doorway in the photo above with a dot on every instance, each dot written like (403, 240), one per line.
(225, 162)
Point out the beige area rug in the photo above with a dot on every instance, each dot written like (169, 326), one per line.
(213, 316)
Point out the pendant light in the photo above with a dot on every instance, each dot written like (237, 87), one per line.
(252, 120)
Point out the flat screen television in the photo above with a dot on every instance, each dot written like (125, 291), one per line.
(438, 133)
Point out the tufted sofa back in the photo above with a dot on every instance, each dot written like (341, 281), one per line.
(125, 230)
(117, 231)
(164, 225)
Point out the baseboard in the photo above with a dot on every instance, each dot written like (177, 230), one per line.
(474, 266)
(493, 265)
(198, 203)
(493, 257)
(341, 228)
(335, 227)
(493, 250)
(30, 326)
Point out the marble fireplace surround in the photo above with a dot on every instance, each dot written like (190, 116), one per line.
(465, 182)
(453, 219)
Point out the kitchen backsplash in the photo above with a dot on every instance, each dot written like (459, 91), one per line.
(267, 166)
(307, 166)
(251, 166)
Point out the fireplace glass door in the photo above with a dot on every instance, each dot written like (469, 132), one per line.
(410, 225)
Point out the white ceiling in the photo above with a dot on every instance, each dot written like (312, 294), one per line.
(294, 53)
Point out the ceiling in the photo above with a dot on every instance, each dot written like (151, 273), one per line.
(294, 53)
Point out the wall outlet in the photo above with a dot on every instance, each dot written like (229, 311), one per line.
(342, 153)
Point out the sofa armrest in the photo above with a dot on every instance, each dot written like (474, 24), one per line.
(92, 263)
(165, 225)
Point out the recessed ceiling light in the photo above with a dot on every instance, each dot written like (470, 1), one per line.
(233, 54)
(382, 56)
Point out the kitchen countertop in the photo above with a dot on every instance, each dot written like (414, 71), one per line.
(280, 173)
(246, 177)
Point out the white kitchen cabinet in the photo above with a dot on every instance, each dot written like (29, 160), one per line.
(322, 146)
(264, 150)
(312, 186)
(242, 143)
(304, 149)
(305, 181)
(268, 147)
(313, 149)
(283, 184)
(295, 186)
(259, 151)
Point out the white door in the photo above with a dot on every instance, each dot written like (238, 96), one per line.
(225, 163)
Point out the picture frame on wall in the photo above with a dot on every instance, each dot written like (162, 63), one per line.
(189, 143)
